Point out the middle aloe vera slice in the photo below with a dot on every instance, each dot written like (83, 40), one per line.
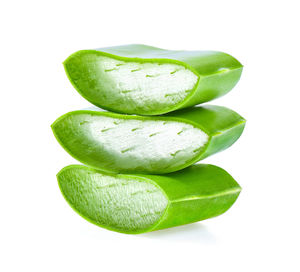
(139, 144)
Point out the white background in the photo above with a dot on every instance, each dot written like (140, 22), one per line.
(40, 232)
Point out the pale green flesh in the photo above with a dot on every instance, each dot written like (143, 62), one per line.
(121, 204)
(132, 144)
(130, 86)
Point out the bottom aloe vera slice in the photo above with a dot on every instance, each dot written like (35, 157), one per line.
(141, 203)
(139, 144)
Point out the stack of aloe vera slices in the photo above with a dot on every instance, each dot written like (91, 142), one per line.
(140, 175)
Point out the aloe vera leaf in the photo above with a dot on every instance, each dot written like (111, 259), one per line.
(140, 144)
(140, 79)
(142, 203)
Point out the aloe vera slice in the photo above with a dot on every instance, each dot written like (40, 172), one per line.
(140, 79)
(142, 203)
(140, 144)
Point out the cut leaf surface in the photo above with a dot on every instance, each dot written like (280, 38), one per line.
(140, 79)
(139, 144)
(142, 203)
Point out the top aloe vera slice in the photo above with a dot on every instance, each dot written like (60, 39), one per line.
(141, 203)
(143, 144)
(140, 79)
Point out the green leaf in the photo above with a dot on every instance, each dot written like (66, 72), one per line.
(139, 144)
(142, 203)
(140, 79)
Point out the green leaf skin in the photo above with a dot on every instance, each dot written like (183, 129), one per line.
(122, 203)
(217, 73)
(76, 131)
